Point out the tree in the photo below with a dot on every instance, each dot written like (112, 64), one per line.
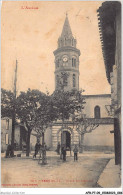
(34, 111)
(7, 103)
(83, 126)
(67, 104)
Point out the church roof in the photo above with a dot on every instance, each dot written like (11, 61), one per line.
(66, 31)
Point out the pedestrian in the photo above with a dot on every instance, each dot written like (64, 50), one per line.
(64, 153)
(8, 151)
(61, 155)
(37, 148)
(75, 150)
(44, 148)
(58, 148)
(40, 151)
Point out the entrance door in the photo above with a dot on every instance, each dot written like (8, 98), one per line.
(66, 139)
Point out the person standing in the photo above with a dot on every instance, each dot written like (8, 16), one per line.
(64, 154)
(61, 155)
(75, 150)
(58, 148)
(37, 148)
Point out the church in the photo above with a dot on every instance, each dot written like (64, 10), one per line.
(67, 60)
(100, 139)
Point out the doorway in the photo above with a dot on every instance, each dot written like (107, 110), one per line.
(66, 139)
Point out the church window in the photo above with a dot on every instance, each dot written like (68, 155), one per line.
(74, 80)
(74, 62)
(97, 112)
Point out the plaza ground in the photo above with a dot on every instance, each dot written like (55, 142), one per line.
(26, 172)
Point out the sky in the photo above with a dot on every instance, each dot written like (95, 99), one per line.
(30, 36)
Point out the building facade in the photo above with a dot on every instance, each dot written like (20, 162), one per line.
(6, 131)
(67, 78)
(6, 135)
(110, 33)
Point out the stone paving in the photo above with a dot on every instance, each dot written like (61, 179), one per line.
(111, 175)
(26, 172)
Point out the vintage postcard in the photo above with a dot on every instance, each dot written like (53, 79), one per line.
(61, 94)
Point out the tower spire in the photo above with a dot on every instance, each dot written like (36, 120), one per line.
(66, 32)
(66, 38)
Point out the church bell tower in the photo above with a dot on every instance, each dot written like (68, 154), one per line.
(66, 60)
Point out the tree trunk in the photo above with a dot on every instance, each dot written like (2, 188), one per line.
(13, 133)
(43, 138)
(81, 143)
(28, 143)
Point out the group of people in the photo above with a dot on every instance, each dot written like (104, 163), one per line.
(63, 152)
(40, 148)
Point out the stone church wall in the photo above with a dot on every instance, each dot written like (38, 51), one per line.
(97, 100)
(100, 139)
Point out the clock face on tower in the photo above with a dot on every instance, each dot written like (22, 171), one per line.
(65, 60)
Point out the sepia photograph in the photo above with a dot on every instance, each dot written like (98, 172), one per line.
(61, 94)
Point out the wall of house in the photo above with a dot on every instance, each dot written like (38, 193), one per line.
(6, 128)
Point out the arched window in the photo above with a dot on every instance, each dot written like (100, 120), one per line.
(74, 62)
(97, 112)
(74, 80)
